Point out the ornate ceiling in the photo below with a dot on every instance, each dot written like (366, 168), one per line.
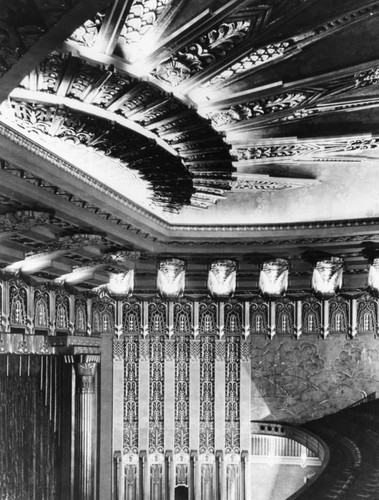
(168, 127)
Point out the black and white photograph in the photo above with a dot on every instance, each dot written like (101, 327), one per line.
(189, 249)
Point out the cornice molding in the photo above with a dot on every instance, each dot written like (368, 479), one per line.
(31, 146)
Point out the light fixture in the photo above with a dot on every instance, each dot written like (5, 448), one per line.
(273, 279)
(327, 276)
(171, 278)
(222, 278)
(120, 285)
(373, 275)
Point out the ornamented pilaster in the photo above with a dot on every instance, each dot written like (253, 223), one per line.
(207, 394)
(182, 381)
(85, 428)
(131, 394)
(156, 394)
(232, 395)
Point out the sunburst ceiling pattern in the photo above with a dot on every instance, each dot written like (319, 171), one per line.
(173, 101)
(181, 98)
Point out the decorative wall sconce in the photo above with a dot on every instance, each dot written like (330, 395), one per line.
(171, 278)
(273, 279)
(373, 276)
(222, 278)
(120, 285)
(327, 276)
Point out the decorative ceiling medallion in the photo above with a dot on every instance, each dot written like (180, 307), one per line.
(171, 278)
(273, 278)
(327, 277)
(222, 278)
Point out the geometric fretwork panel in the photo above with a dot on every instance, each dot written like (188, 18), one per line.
(132, 317)
(18, 304)
(41, 309)
(80, 316)
(62, 311)
(259, 315)
(208, 317)
(131, 392)
(182, 385)
(233, 318)
(285, 316)
(367, 311)
(232, 395)
(183, 317)
(157, 317)
(311, 316)
(339, 315)
(103, 316)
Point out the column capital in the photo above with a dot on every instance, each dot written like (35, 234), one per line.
(85, 369)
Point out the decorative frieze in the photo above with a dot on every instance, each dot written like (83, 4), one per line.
(202, 52)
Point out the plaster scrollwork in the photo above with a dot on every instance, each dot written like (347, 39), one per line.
(311, 316)
(132, 317)
(259, 185)
(339, 315)
(141, 17)
(367, 314)
(87, 33)
(253, 109)
(255, 58)
(70, 242)
(202, 52)
(23, 220)
(367, 78)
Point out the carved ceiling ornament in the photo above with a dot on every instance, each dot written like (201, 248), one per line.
(373, 276)
(69, 242)
(23, 220)
(327, 276)
(171, 278)
(273, 278)
(142, 16)
(255, 58)
(222, 278)
(202, 52)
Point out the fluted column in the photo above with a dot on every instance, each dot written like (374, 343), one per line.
(85, 428)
